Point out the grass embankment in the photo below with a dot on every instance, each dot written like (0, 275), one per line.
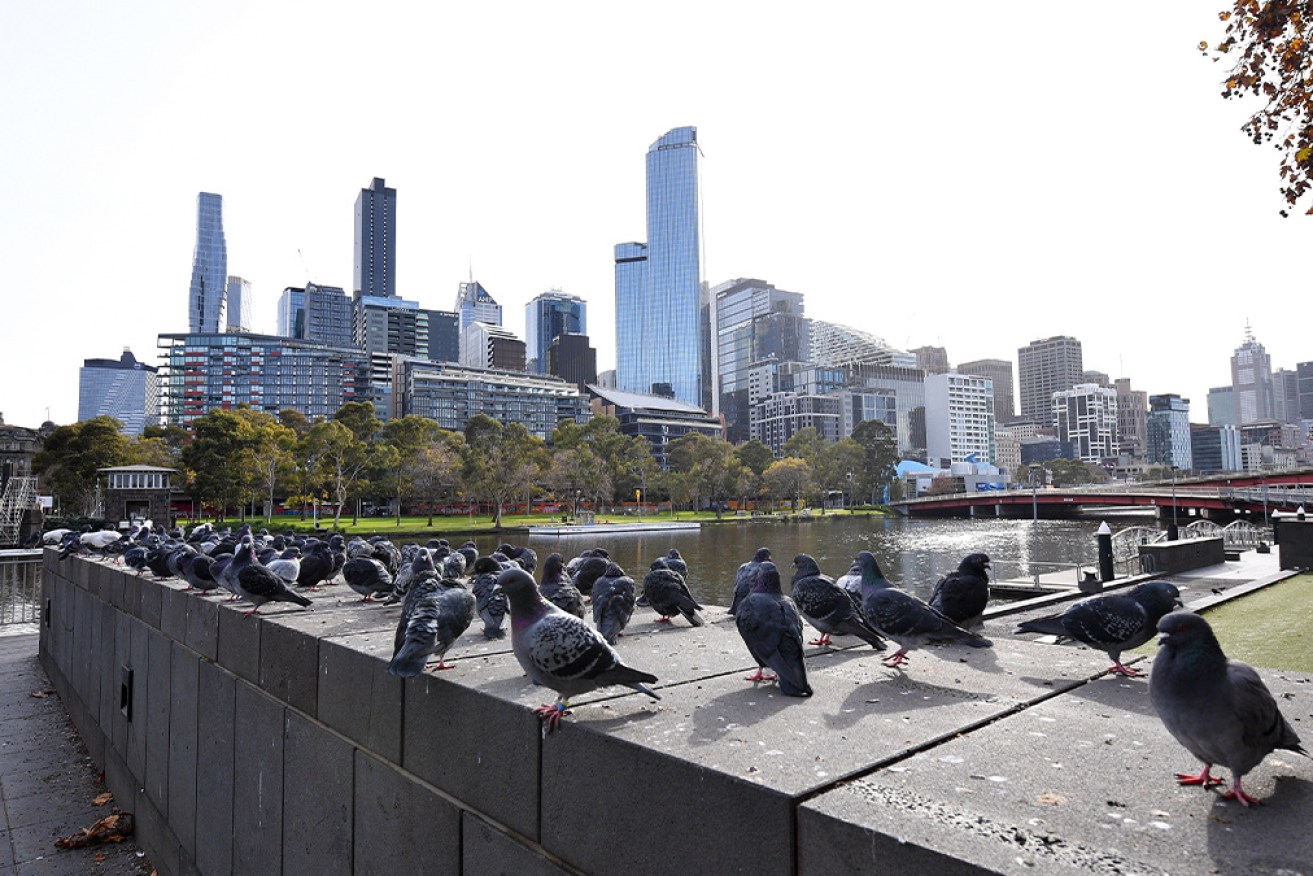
(1271, 627)
(419, 526)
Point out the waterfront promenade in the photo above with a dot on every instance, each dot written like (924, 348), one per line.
(1023, 758)
(47, 780)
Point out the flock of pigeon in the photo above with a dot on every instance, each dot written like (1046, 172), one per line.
(1218, 709)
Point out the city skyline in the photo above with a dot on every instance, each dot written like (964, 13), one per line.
(1094, 220)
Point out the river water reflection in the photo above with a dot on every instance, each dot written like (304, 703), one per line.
(913, 553)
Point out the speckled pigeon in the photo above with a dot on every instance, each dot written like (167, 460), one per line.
(900, 616)
(1114, 622)
(436, 622)
(962, 596)
(560, 651)
(368, 577)
(746, 576)
(557, 587)
(827, 606)
(257, 584)
(1219, 709)
(490, 601)
(771, 627)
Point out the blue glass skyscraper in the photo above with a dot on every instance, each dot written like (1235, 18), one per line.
(659, 284)
(375, 270)
(547, 317)
(209, 267)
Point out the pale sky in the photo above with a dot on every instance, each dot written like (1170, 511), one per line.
(963, 174)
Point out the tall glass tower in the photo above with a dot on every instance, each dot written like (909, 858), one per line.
(547, 317)
(209, 268)
(375, 271)
(658, 325)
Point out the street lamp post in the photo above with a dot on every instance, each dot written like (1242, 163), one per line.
(1034, 521)
(1173, 533)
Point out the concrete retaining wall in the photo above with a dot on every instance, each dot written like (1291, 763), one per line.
(1171, 557)
(279, 744)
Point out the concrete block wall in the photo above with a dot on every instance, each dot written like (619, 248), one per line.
(278, 744)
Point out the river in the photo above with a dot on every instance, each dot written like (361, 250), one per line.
(914, 553)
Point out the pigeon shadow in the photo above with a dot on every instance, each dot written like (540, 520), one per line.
(1269, 838)
(1111, 691)
(895, 695)
(735, 709)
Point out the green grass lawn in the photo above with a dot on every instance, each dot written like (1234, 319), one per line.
(419, 526)
(1271, 627)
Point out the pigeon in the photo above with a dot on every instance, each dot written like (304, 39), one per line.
(558, 589)
(771, 627)
(432, 627)
(613, 603)
(317, 566)
(827, 606)
(257, 584)
(368, 577)
(668, 595)
(746, 576)
(676, 562)
(287, 565)
(900, 616)
(560, 651)
(1114, 622)
(490, 601)
(524, 557)
(962, 596)
(591, 567)
(195, 570)
(1219, 709)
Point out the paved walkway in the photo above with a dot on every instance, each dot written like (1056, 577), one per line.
(47, 780)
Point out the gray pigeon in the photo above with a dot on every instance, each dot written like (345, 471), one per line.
(668, 595)
(557, 587)
(368, 577)
(1219, 709)
(827, 606)
(436, 622)
(257, 584)
(962, 596)
(560, 651)
(1114, 622)
(490, 601)
(613, 602)
(771, 627)
(902, 617)
(746, 576)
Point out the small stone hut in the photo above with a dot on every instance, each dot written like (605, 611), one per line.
(138, 492)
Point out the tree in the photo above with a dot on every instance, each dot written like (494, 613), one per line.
(500, 461)
(436, 471)
(804, 444)
(336, 459)
(218, 458)
(294, 420)
(360, 418)
(273, 459)
(578, 471)
(1070, 472)
(755, 456)
(73, 454)
(710, 465)
(788, 478)
(410, 436)
(1268, 44)
(879, 457)
(839, 465)
(627, 459)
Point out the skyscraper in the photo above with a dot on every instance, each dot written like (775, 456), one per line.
(1043, 368)
(1168, 431)
(123, 388)
(375, 271)
(1000, 372)
(1251, 379)
(932, 360)
(658, 284)
(548, 316)
(240, 306)
(751, 321)
(316, 313)
(1086, 415)
(209, 267)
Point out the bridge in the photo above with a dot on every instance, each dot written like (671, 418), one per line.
(1221, 501)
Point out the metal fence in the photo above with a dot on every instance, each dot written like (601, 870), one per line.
(20, 586)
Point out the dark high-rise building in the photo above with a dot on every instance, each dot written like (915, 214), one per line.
(207, 297)
(659, 341)
(546, 317)
(1304, 378)
(389, 326)
(932, 360)
(1043, 368)
(1168, 427)
(316, 313)
(570, 357)
(375, 271)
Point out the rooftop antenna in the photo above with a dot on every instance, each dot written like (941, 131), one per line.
(1249, 333)
(304, 269)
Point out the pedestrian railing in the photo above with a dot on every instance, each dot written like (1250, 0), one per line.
(20, 586)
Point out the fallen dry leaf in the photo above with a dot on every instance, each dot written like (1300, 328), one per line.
(41, 694)
(102, 799)
(100, 857)
(1052, 799)
(110, 829)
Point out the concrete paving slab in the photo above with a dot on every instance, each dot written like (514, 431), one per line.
(749, 753)
(387, 838)
(357, 697)
(1079, 782)
(318, 799)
